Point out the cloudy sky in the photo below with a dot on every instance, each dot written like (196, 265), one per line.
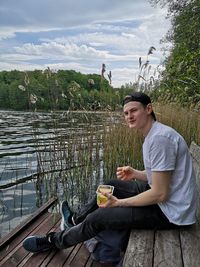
(81, 35)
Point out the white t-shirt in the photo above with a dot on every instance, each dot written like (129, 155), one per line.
(165, 150)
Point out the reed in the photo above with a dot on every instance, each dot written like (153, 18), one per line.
(75, 162)
(122, 146)
(80, 161)
(185, 121)
(73, 159)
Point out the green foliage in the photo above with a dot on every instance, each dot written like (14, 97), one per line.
(64, 90)
(181, 79)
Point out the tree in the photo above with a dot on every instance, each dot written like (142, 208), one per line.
(181, 78)
(174, 6)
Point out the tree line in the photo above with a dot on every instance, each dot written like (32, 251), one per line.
(60, 90)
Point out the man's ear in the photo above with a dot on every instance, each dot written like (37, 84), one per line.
(149, 108)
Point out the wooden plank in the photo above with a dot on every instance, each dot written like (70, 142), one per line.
(140, 249)
(8, 238)
(59, 258)
(19, 244)
(72, 255)
(11, 246)
(95, 264)
(81, 257)
(92, 263)
(32, 259)
(195, 152)
(37, 259)
(167, 250)
(19, 253)
(190, 243)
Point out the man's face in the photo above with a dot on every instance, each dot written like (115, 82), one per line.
(136, 114)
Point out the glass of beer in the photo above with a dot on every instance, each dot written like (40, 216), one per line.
(101, 199)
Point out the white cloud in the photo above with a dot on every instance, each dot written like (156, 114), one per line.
(81, 35)
(55, 50)
(6, 33)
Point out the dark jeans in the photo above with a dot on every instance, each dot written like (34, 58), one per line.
(93, 220)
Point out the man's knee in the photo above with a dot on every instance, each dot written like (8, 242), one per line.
(97, 219)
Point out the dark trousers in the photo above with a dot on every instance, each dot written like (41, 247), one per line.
(92, 220)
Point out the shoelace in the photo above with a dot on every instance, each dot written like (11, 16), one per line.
(43, 241)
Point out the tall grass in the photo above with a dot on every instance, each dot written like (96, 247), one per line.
(80, 161)
(123, 146)
(71, 164)
(185, 121)
(74, 162)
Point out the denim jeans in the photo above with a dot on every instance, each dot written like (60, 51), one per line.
(92, 220)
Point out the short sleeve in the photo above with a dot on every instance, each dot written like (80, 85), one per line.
(162, 154)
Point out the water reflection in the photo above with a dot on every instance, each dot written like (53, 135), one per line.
(40, 157)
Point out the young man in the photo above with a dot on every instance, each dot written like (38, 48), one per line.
(162, 196)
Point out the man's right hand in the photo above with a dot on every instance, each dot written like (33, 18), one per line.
(125, 173)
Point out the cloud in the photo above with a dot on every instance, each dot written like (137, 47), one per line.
(80, 34)
(43, 15)
(55, 50)
(6, 34)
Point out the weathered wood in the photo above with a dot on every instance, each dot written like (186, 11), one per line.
(72, 255)
(18, 253)
(10, 246)
(167, 250)
(58, 259)
(91, 263)
(139, 252)
(13, 254)
(190, 243)
(195, 152)
(81, 257)
(30, 259)
(8, 238)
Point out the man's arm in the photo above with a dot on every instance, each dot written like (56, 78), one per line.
(158, 192)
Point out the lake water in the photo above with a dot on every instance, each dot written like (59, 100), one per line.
(35, 157)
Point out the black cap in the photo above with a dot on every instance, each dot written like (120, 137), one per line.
(139, 97)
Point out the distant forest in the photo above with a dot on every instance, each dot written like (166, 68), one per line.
(61, 90)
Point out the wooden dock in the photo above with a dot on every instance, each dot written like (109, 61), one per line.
(13, 254)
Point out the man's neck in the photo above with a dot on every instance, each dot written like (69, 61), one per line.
(148, 126)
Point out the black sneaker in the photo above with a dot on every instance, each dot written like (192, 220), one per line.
(38, 243)
(66, 213)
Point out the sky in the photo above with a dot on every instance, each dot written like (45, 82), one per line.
(81, 35)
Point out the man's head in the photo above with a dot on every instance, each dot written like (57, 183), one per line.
(138, 112)
(139, 97)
